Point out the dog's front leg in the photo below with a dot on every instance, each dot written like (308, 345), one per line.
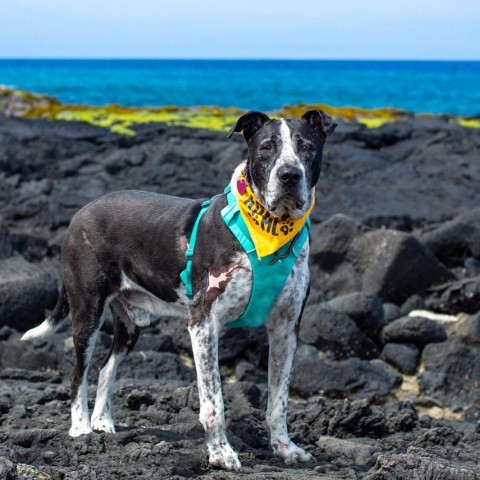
(282, 332)
(204, 335)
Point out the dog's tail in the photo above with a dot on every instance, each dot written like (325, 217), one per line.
(53, 321)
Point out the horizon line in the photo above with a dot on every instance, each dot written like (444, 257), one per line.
(222, 59)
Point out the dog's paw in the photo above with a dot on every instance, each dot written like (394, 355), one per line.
(103, 424)
(81, 429)
(223, 456)
(291, 453)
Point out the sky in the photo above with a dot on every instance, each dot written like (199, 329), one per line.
(270, 29)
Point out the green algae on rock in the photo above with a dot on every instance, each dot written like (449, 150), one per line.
(121, 120)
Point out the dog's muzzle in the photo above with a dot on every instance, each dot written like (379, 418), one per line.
(290, 195)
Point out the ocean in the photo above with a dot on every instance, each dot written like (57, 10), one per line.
(417, 86)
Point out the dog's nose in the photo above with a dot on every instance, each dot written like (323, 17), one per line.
(289, 176)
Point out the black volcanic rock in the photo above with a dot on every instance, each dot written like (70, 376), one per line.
(409, 176)
(403, 356)
(456, 240)
(335, 332)
(6, 242)
(390, 264)
(418, 463)
(37, 355)
(452, 368)
(366, 310)
(417, 330)
(348, 452)
(394, 265)
(456, 297)
(415, 302)
(391, 312)
(26, 290)
(352, 377)
(331, 239)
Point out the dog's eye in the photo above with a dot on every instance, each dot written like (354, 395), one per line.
(267, 146)
(307, 148)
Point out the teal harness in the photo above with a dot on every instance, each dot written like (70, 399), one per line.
(269, 273)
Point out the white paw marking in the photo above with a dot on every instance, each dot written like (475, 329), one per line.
(223, 456)
(103, 424)
(77, 430)
(292, 454)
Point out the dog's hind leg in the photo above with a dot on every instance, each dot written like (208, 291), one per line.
(125, 336)
(86, 316)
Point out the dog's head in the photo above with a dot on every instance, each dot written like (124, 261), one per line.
(284, 158)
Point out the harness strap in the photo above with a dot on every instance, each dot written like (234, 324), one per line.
(269, 273)
(186, 275)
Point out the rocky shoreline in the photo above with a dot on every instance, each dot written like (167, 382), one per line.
(386, 378)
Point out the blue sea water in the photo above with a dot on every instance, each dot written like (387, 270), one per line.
(418, 86)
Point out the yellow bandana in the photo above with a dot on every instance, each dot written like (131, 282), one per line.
(268, 233)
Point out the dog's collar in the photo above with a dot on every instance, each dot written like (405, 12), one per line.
(269, 234)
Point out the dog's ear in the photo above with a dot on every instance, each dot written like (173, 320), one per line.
(249, 124)
(320, 121)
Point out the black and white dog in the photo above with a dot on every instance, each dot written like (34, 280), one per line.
(127, 249)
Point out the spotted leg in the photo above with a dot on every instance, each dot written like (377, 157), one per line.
(204, 336)
(282, 332)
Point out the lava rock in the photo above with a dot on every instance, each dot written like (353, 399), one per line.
(472, 266)
(352, 377)
(456, 240)
(34, 376)
(246, 395)
(439, 436)
(252, 342)
(417, 330)
(456, 297)
(415, 302)
(8, 470)
(336, 332)
(348, 452)
(245, 371)
(467, 330)
(331, 239)
(177, 330)
(403, 356)
(32, 247)
(136, 398)
(419, 464)
(365, 310)
(391, 312)
(452, 369)
(159, 365)
(26, 290)
(155, 342)
(394, 265)
(48, 170)
(359, 418)
(6, 242)
(34, 355)
(6, 332)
